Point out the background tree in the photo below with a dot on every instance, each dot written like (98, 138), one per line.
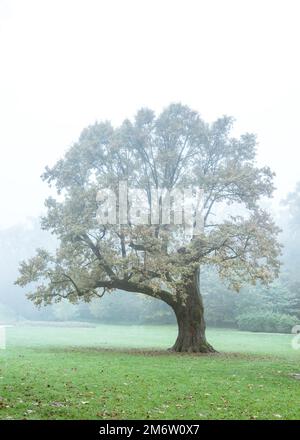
(291, 233)
(120, 307)
(174, 150)
(16, 243)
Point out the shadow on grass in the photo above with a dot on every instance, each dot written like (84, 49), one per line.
(153, 353)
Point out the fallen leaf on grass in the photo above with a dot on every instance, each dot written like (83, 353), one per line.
(57, 404)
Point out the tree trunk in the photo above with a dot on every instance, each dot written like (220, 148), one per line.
(190, 318)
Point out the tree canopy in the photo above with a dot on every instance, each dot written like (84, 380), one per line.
(173, 150)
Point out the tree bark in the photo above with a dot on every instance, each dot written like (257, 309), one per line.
(190, 319)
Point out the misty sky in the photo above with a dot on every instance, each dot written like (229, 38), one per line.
(65, 64)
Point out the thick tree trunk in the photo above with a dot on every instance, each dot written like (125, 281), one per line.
(190, 318)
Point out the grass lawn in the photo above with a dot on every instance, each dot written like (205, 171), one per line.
(122, 372)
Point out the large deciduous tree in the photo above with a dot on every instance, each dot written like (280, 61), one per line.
(174, 150)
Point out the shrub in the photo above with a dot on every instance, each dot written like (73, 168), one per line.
(268, 322)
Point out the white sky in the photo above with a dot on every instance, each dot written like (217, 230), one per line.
(66, 63)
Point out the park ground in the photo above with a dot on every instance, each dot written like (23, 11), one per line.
(125, 372)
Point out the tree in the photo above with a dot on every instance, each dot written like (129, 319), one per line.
(291, 236)
(223, 307)
(291, 240)
(64, 311)
(130, 308)
(174, 150)
(19, 242)
(220, 303)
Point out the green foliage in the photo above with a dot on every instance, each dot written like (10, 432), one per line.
(220, 303)
(64, 311)
(224, 307)
(269, 322)
(291, 233)
(127, 308)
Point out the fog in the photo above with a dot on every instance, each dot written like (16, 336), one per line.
(66, 64)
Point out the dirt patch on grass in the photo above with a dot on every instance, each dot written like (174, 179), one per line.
(156, 353)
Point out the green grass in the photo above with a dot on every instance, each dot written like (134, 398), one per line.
(94, 373)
